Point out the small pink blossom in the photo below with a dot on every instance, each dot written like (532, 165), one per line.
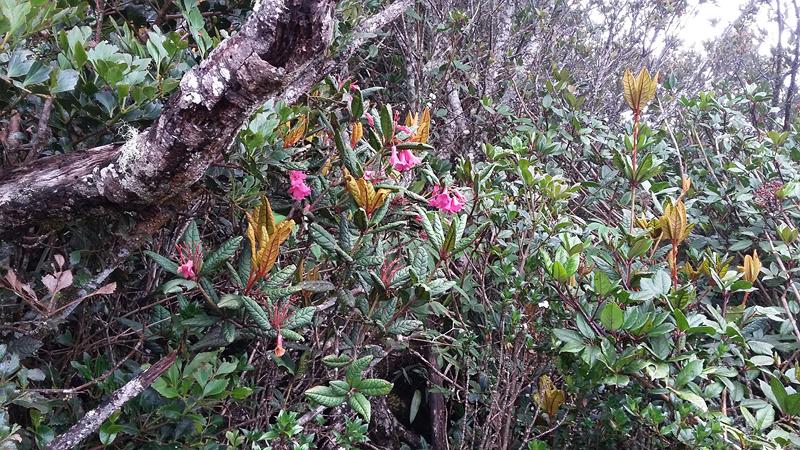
(446, 200)
(298, 189)
(279, 350)
(370, 175)
(186, 270)
(190, 260)
(354, 87)
(404, 160)
(370, 119)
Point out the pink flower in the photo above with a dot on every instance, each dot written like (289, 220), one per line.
(370, 119)
(298, 189)
(404, 160)
(190, 260)
(446, 200)
(279, 350)
(354, 87)
(370, 175)
(186, 270)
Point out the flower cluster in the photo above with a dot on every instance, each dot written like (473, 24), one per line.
(404, 160)
(447, 200)
(298, 189)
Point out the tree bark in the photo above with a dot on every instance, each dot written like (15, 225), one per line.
(279, 52)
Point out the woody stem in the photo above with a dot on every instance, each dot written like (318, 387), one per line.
(633, 166)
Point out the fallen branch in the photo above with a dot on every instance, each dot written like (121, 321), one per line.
(93, 419)
(278, 53)
(277, 42)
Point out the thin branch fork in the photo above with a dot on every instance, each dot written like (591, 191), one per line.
(93, 419)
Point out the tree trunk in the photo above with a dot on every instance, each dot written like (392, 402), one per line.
(279, 52)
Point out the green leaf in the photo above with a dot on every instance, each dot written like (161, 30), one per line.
(361, 405)
(214, 387)
(467, 241)
(79, 55)
(178, 285)
(220, 255)
(355, 370)
(450, 240)
(327, 241)
(165, 263)
(64, 81)
(374, 387)
(690, 371)
(788, 403)
(657, 286)
(435, 236)
(347, 155)
(325, 396)
(192, 236)
(241, 392)
(316, 286)
(640, 247)
(160, 386)
(300, 318)
(258, 314)
(387, 123)
(694, 399)
(339, 387)
(404, 327)
(612, 316)
(602, 285)
(336, 361)
(357, 105)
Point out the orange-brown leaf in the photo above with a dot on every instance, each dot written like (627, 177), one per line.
(292, 137)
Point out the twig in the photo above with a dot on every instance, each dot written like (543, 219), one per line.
(42, 131)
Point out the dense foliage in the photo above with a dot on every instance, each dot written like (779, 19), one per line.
(573, 268)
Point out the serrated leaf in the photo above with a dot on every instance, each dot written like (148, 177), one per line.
(192, 235)
(257, 313)
(354, 372)
(300, 318)
(325, 396)
(316, 286)
(361, 405)
(339, 387)
(404, 327)
(374, 387)
(336, 361)
(165, 263)
(327, 241)
(220, 255)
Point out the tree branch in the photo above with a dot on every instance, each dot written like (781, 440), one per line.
(279, 40)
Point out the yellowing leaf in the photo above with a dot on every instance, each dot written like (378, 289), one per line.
(549, 398)
(424, 127)
(751, 267)
(292, 137)
(411, 119)
(265, 238)
(674, 224)
(639, 90)
(356, 134)
(423, 124)
(364, 193)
